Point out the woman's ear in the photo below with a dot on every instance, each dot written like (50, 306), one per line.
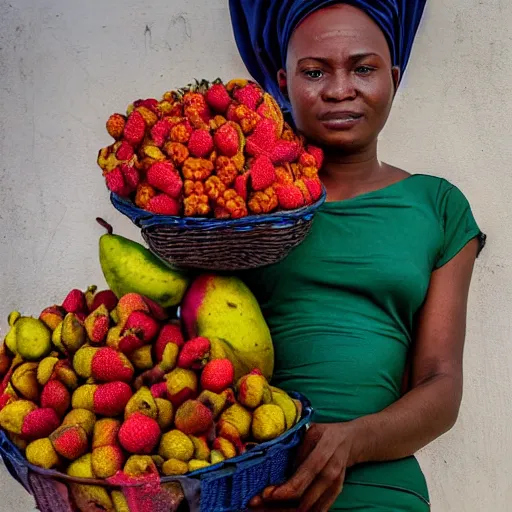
(282, 82)
(396, 74)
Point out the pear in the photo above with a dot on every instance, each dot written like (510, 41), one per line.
(129, 267)
(142, 401)
(28, 337)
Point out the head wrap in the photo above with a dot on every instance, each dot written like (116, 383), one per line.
(263, 29)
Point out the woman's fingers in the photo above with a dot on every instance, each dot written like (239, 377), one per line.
(258, 501)
(329, 476)
(307, 472)
(329, 497)
(309, 442)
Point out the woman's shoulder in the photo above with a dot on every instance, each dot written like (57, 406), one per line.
(436, 188)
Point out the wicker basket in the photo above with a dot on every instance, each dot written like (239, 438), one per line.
(221, 245)
(225, 487)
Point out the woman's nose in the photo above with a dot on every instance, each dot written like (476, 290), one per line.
(339, 88)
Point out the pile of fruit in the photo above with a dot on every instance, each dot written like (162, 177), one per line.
(210, 150)
(117, 386)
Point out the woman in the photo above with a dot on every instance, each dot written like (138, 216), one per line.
(383, 277)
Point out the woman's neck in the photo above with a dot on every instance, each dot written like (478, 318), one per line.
(346, 176)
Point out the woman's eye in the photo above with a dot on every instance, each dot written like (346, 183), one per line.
(364, 70)
(315, 74)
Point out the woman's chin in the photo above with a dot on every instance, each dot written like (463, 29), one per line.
(342, 142)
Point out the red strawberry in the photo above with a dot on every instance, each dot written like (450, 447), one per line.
(124, 151)
(170, 333)
(289, 197)
(231, 113)
(160, 132)
(194, 353)
(108, 365)
(218, 98)
(314, 187)
(262, 139)
(135, 128)
(162, 204)
(139, 434)
(150, 103)
(241, 185)
(227, 140)
(106, 297)
(131, 176)
(143, 324)
(55, 396)
(39, 423)
(200, 143)
(75, 302)
(130, 341)
(284, 151)
(217, 375)
(157, 311)
(263, 173)
(250, 95)
(164, 177)
(116, 183)
(110, 399)
(318, 154)
(159, 390)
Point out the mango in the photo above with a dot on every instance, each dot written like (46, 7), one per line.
(224, 310)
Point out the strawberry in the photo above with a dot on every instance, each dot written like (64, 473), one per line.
(124, 151)
(250, 95)
(318, 154)
(116, 183)
(263, 174)
(135, 128)
(227, 140)
(289, 196)
(262, 139)
(164, 177)
(200, 143)
(218, 98)
(150, 103)
(284, 151)
(160, 132)
(194, 353)
(131, 176)
(314, 187)
(241, 185)
(163, 205)
(231, 113)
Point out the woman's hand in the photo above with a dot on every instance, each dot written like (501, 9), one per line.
(325, 454)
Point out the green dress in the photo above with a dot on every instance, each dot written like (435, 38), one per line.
(341, 309)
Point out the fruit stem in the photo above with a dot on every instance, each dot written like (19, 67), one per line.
(105, 224)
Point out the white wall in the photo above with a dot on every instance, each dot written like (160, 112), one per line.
(65, 66)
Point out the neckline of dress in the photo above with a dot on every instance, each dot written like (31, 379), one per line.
(371, 192)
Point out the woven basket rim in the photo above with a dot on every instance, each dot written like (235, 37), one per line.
(138, 215)
(258, 451)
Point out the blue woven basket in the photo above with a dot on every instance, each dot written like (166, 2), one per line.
(225, 487)
(221, 245)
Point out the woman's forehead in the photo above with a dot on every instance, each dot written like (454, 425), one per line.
(337, 28)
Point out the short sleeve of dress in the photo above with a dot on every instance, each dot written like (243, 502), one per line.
(458, 224)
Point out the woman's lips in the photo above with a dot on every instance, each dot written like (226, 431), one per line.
(341, 120)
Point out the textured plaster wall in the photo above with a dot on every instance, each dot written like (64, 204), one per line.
(64, 66)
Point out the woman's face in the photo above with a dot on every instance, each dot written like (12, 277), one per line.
(339, 78)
